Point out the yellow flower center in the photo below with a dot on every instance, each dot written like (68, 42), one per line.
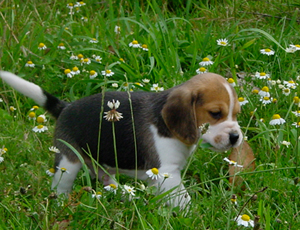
(80, 56)
(29, 62)
(265, 89)
(41, 45)
(108, 71)
(70, 4)
(296, 99)
(75, 69)
(267, 50)
(94, 39)
(255, 91)
(35, 107)
(81, 3)
(99, 193)
(276, 116)
(113, 186)
(245, 218)
(31, 114)
(230, 80)
(274, 100)
(202, 69)
(223, 43)
(233, 200)
(241, 99)
(52, 170)
(262, 74)
(144, 46)
(298, 46)
(205, 59)
(11, 108)
(287, 90)
(40, 126)
(86, 60)
(121, 59)
(63, 169)
(61, 44)
(155, 171)
(292, 82)
(92, 72)
(67, 71)
(40, 119)
(134, 42)
(266, 98)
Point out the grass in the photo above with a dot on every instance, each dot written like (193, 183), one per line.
(178, 35)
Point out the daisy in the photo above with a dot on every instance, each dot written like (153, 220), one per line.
(97, 58)
(145, 80)
(286, 91)
(290, 84)
(201, 70)
(121, 60)
(54, 149)
(244, 220)
(70, 5)
(111, 188)
(262, 75)
(62, 169)
(97, 195)
(264, 92)
(115, 85)
(297, 113)
(206, 61)
(11, 108)
(84, 19)
(61, 46)
(50, 172)
(80, 56)
(42, 46)
(232, 162)
(117, 29)
(145, 47)
(1, 159)
(40, 128)
(267, 52)
(68, 72)
(85, 61)
(156, 88)
(242, 101)
(79, 4)
(113, 114)
(73, 57)
(167, 175)
(129, 190)
(35, 107)
(41, 119)
(31, 116)
(134, 44)
(153, 173)
(231, 82)
(29, 64)
(94, 40)
(266, 100)
(296, 47)
(296, 100)
(222, 42)
(93, 74)
(277, 120)
(290, 49)
(107, 73)
(286, 143)
(255, 91)
(296, 124)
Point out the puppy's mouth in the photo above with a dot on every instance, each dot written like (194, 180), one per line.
(207, 145)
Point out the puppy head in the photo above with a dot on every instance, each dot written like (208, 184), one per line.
(205, 98)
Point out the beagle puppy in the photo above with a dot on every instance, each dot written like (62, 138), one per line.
(158, 130)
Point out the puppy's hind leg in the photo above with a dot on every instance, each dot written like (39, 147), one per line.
(66, 172)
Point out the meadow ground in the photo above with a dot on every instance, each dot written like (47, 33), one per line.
(64, 48)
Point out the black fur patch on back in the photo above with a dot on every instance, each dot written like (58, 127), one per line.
(54, 105)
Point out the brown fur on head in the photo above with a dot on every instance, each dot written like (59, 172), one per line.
(202, 99)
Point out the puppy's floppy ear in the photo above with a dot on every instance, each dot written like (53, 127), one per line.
(180, 116)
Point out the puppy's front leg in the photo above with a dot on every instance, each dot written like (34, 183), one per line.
(179, 196)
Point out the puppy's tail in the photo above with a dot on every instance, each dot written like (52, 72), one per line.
(33, 91)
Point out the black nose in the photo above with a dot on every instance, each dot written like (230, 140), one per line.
(233, 137)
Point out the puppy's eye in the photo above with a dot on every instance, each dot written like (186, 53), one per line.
(216, 115)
